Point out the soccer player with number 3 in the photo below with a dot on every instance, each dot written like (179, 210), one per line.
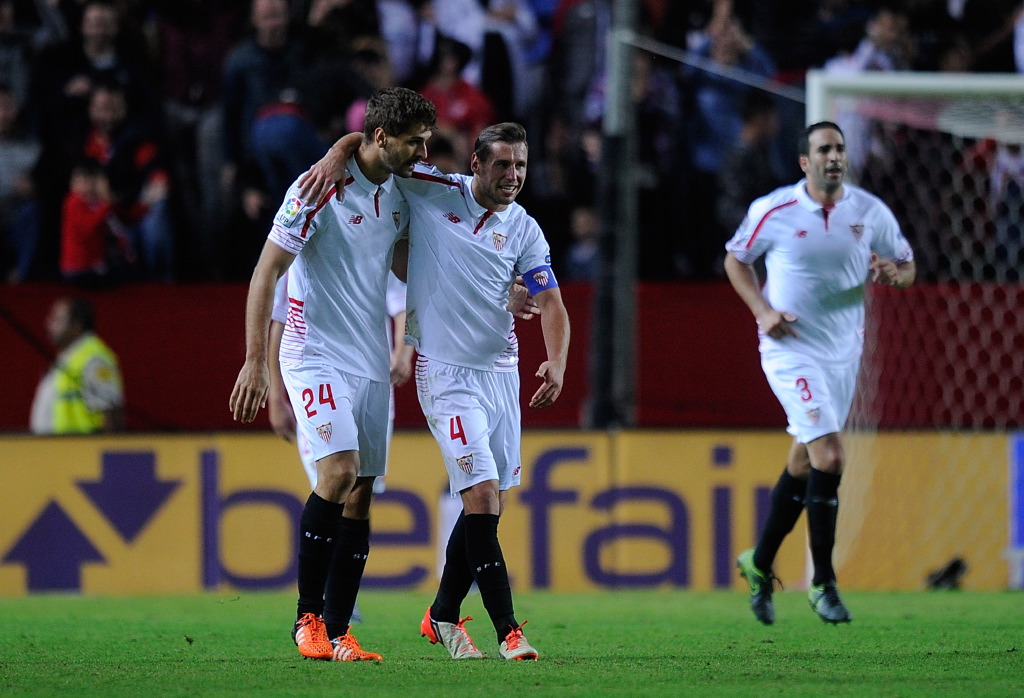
(822, 240)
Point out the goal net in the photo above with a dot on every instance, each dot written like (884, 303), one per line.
(943, 369)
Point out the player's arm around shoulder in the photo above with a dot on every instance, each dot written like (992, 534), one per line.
(329, 170)
(554, 322)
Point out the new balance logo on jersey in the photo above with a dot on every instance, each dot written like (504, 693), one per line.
(452, 217)
(325, 431)
(800, 234)
(355, 220)
(465, 464)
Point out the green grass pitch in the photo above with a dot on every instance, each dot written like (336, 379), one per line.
(658, 643)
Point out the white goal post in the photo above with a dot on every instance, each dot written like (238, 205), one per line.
(985, 91)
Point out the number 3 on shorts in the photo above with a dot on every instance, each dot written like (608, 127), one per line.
(804, 388)
(457, 432)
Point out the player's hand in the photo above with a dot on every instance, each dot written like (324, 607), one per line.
(546, 394)
(282, 418)
(250, 391)
(778, 325)
(401, 368)
(884, 271)
(328, 171)
(521, 303)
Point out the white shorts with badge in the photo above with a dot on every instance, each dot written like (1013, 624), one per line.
(475, 418)
(816, 397)
(337, 411)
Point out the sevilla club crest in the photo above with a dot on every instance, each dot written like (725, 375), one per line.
(465, 464)
(858, 231)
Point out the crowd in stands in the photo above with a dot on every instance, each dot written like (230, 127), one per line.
(153, 139)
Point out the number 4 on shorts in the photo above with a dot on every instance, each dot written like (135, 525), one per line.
(458, 433)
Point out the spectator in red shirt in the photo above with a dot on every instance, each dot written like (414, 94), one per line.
(139, 183)
(86, 233)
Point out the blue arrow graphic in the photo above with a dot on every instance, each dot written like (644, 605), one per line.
(128, 493)
(53, 551)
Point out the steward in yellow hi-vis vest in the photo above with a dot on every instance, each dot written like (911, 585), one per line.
(82, 392)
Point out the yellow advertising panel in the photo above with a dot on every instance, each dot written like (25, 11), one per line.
(915, 501)
(710, 490)
(153, 515)
(113, 515)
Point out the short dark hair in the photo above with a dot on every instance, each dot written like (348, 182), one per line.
(804, 144)
(506, 132)
(397, 110)
(81, 312)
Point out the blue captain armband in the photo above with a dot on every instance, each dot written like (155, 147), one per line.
(539, 279)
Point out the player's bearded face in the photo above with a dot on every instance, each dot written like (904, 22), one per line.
(499, 179)
(401, 153)
(827, 161)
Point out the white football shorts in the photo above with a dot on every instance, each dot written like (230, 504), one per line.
(475, 418)
(337, 411)
(816, 397)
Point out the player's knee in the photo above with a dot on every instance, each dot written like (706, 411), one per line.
(826, 454)
(336, 476)
(481, 498)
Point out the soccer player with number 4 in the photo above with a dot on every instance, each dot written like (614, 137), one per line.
(822, 239)
(335, 355)
(468, 240)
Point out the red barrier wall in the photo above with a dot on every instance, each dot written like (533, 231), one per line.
(697, 364)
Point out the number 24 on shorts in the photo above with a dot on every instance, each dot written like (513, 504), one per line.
(326, 398)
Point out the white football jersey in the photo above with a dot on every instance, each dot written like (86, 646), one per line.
(337, 283)
(817, 263)
(462, 261)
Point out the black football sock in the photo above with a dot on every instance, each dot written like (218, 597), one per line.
(346, 572)
(787, 503)
(318, 534)
(456, 578)
(483, 552)
(822, 510)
